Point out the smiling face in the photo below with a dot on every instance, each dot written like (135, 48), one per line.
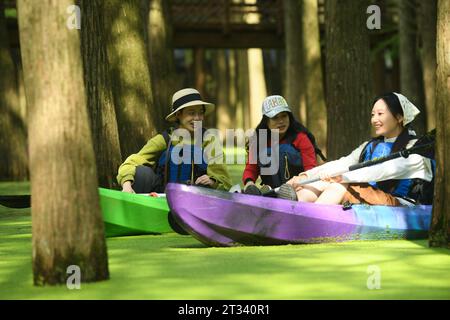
(280, 122)
(188, 115)
(384, 122)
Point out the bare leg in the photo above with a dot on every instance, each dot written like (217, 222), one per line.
(333, 194)
(312, 191)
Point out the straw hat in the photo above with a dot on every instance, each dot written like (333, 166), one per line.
(186, 98)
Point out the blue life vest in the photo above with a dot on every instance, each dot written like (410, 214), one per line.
(180, 172)
(290, 164)
(414, 190)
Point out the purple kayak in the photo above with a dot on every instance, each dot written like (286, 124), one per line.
(219, 218)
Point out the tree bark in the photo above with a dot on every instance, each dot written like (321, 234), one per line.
(13, 139)
(161, 58)
(67, 223)
(440, 224)
(348, 76)
(243, 100)
(201, 74)
(257, 85)
(427, 28)
(223, 110)
(316, 111)
(410, 70)
(131, 85)
(99, 95)
(294, 92)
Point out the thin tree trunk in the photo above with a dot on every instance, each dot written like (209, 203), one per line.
(257, 85)
(316, 110)
(243, 104)
(13, 139)
(348, 76)
(224, 115)
(200, 84)
(294, 92)
(131, 84)
(427, 27)
(410, 70)
(232, 95)
(99, 95)
(67, 223)
(440, 224)
(161, 58)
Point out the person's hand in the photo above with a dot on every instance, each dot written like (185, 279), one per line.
(126, 187)
(204, 180)
(328, 178)
(295, 181)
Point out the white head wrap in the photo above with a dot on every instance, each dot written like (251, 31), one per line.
(410, 111)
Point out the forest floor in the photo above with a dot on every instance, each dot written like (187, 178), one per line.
(172, 266)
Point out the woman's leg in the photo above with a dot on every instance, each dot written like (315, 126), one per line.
(312, 191)
(146, 180)
(333, 193)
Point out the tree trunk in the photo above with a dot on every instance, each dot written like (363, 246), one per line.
(294, 92)
(348, 76)
(67, 223)
(243, 103)
(161, 57)
(427, 28)
(99, 95)
(131, 84)
(223, 112)
(257, 85)
(440, 224)
(13, 140)
(316, 110)
(410, 71)
(232, 84)
(201, 82)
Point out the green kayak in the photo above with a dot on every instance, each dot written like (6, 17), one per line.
(123, 213)
(133, 214)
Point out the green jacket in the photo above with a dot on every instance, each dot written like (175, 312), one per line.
(150, 154)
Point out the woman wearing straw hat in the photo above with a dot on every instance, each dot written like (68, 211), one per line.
(393, 182)
(152, 167)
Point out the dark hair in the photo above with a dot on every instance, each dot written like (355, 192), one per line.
(294, 128)
(392, 102)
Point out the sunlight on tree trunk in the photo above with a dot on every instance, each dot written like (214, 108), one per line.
(316, 110)
(161, 59)
(131, 85)
(67, 226)
(427, 27)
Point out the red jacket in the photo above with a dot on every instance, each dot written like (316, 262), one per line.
(301, 143)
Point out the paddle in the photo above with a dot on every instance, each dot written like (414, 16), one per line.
(424, 147)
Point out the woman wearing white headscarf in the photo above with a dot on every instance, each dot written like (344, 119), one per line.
(389, 183)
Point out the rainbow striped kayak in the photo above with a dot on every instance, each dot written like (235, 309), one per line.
(219, 218)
